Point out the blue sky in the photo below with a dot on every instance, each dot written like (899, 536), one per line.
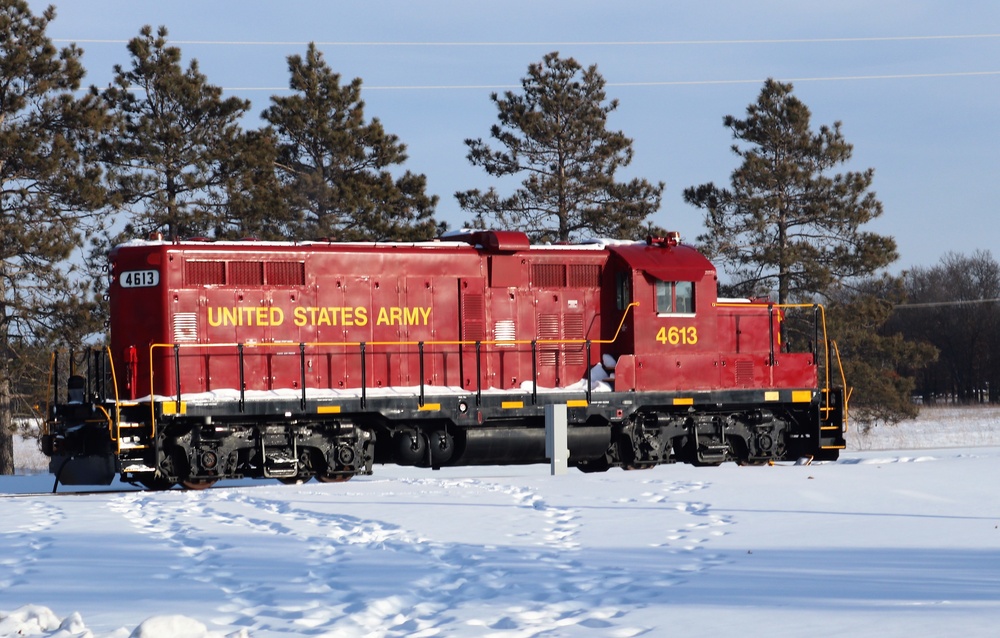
(915, 84)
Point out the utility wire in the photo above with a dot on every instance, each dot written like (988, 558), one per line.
(459, 87)
(444, 87)
(609, 43)
(936, 304)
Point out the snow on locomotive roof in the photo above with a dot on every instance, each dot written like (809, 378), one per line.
(443, 242)
(245, 243)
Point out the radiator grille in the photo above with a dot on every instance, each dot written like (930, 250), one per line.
(584, 276)
(204, 273)
(548, 275)
(285, 273)
(246, 273)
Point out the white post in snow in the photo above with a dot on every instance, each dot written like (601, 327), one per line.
(556, 446)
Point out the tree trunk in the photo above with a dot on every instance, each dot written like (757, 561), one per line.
(6, 453)
(6, 387)
(784, 267)
(6, 423)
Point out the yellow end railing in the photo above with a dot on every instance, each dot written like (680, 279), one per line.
(826, 408)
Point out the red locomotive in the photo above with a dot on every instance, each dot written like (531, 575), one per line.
(294, 360)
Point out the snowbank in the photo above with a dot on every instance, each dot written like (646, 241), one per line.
(880, 543)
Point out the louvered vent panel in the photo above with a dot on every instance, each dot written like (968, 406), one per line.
(548, 328)
(573, 329)
(548, 275)
(744, 372)
(204, 273)
(285, 273)
(246, 273)
(584, 276)
(505, 331)
(185, 327)
(473, 318)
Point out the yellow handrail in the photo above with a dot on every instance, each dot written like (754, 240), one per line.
(347, 344)
(116, 435)
(843, 380)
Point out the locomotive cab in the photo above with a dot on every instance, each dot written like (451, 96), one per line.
(666, 291)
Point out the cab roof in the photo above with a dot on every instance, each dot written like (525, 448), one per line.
(665, 259)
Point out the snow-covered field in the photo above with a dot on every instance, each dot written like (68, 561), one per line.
(901, 537)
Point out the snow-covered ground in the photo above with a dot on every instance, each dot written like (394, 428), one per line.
(901, 537)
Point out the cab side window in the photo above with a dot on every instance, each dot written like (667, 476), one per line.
(684, 297)
(623, 294)
(674, 297)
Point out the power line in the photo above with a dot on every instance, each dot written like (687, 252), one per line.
(608, 43)
(836, 78)
(460, 87)
(936, 304)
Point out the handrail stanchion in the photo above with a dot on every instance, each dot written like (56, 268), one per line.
(364, 384)
(243, 383)
(100, 374)
(479, 375)
(302, 372)
(534, 372)
(91, 382)
(589, 384)
(177, 374)
(770, 333)
(107, 371)
(815, 343)
(55, 378)
(420, 347)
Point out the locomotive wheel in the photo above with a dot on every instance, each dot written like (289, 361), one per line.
(198, 484)
(706, 463)
(639, 466)
(293, 480)
(595, 465)
(156, 484)
(334, 478)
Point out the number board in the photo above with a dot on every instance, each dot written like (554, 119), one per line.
(139, 278)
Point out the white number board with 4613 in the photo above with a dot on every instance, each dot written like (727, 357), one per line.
(139, 278)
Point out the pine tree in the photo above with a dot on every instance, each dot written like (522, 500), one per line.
(786, 224)
(555, 134)
(335, 165)
(789, 225)
(253, 202)
(175, 134)
(50, 190)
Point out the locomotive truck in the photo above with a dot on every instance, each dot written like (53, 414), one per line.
(231, 359)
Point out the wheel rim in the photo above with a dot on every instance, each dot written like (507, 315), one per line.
(198, 485)
(156, 484)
